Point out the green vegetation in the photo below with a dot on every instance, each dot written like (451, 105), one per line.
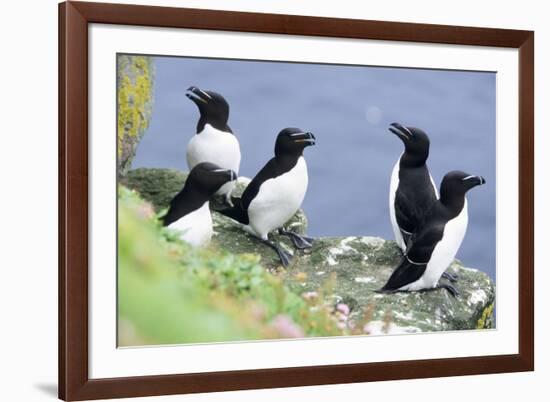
(135, 91)
(170, 292)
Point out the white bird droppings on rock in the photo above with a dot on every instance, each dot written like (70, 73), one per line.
(365, 279)
(477, 296)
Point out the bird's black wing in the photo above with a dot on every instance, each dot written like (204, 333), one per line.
(418, 254)
(239, 212)
(407, 213)
(404, 274)
(423, 242)
(411, 204)
(236, 212)
(182, 204)
(271, 170)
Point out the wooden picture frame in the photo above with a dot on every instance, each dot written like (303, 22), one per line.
(74, 381)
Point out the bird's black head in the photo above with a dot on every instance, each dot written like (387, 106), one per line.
(207, 178)
(456, 184)
(292, 141)
(416, 141)
(213, 108)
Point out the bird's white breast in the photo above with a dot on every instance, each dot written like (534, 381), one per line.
(278, 199)
(434, 186)
(215, 146)
(445, 251)
(394, 184)
(195, 227)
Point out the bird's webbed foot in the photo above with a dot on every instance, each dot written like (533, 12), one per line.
(284, 257)
(299, 241)
(449, 288)
(450, 276)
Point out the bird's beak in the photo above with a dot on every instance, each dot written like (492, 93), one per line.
(197, 95)
(228, 172)
(307, 138)
(475, 180)
(401, 131)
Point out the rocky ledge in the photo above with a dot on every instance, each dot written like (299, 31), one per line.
(354, 266)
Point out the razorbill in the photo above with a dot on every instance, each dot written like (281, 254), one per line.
(412, 189)
(214, 141)
(189, 210)
(276, 192)
(433, 246)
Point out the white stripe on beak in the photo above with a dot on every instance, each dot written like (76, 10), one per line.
(194, 96)
(408, 131)
(204, 93)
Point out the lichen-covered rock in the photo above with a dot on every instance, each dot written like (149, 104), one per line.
(361, 266)
(355, 266)
(159, 186)
(135, 97)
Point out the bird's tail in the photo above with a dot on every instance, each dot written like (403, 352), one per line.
(405, 273)
(236, 212)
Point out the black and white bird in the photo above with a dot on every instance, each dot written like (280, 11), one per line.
(276, 192)
(214, 141)
(189, 211)
(412, 188)
(433, 246)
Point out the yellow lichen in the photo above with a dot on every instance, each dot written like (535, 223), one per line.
(484, 320)
(135, 90)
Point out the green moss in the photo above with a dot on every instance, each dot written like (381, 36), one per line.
(135, 92)
(158, 186)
